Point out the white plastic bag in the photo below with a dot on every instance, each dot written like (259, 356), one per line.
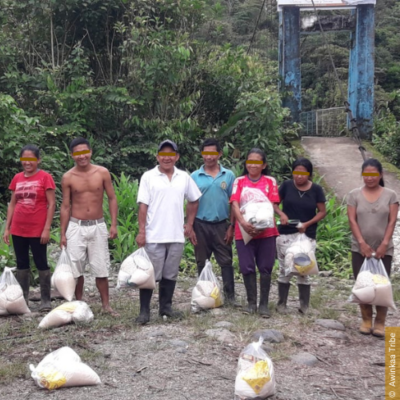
(373, 285)
(63, 277)
(257, 210)
(207, 292)
(137, 271)
(11, 295)
(300, 257)
(73, 311)
(63, 368)
(255, 374)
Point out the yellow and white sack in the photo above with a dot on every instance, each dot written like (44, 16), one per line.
(63, 368)
(73, 311)
(207, 292)
(255, 374)
(137, 271)
(373, 285)
(11, 295)
(301, 245)
(63, 277)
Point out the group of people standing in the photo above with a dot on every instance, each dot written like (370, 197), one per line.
(213, 214)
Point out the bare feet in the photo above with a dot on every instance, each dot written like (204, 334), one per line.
(110, 311)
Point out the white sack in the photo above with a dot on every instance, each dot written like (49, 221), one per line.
(255, 375)
(207, 292)
(137, 271)
(63, 368)
(74, 311)
(63, 277)
(11, 295)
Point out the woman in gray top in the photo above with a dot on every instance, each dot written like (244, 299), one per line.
(372, 212)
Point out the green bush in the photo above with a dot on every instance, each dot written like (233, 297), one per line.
(333, 239)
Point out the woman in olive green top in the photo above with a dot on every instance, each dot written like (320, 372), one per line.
(372, 212)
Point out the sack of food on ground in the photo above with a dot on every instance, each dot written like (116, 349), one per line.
(137, 271)
(300, 257)
(73, 311)
(11, 295)
(207, 292)
(257, 210)
(373, 285)
(255, 374)
(63, 277)
(63, 368)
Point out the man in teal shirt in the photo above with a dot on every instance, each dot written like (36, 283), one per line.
(213, 228)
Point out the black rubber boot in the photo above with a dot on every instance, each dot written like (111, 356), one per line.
(45, 287)
(283, 291)
(145, 299)
(304, 296)
(166, 292)
(24, 277)
(250, 282)
(229, 285)
(265, 286)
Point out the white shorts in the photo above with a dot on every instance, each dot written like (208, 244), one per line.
(88, 244)
(283, 242)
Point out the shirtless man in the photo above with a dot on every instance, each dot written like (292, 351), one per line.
(82, 224)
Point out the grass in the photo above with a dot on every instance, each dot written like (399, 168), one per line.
(376, 154)
(10, 372)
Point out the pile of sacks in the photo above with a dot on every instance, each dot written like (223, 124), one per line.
(63, 278)
(373, 285)
(63, 368)
(11, 295)
(300, 257)
(137, 271)
(74, 311)
(207, 292)
(255, 375)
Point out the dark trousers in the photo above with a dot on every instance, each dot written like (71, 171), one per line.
(357, 261)
(260, 252)
(39, 252)
(210, 239)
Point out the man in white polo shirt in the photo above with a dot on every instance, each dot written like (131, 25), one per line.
(162, 232)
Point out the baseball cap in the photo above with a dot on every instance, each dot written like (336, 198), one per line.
(168, 143)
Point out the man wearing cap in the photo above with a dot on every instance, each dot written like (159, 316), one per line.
(213, 228)
(161, 196)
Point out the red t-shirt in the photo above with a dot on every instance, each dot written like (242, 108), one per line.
(30, 211)
(267, 185)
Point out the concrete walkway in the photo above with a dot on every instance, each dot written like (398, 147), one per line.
(339, 161)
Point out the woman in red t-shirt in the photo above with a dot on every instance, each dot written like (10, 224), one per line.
(261, 249)
(29, 218)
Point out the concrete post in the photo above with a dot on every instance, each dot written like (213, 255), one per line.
(289, 59)
(361, 70)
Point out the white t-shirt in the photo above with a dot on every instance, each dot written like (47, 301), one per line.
(165, 201)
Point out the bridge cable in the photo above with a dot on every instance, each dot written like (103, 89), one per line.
(353, 122)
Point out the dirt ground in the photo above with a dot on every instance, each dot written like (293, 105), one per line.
(177, 360)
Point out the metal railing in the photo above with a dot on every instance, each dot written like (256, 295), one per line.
(324, 122)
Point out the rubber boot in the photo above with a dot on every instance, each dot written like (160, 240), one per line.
(304, 297)
(145, 299)
(366, 314)
(229, 285)
(250, 283)
(379, 324)
(283, 292)
(45, 287)
(23, 277)
(265, 286)
(166, 292)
